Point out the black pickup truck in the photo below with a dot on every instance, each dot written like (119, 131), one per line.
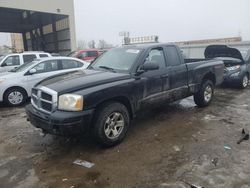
(104, 98)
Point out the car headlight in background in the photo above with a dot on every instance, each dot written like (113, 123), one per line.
(2, 80)
(235, 74)
(233, 68)
(70, 102)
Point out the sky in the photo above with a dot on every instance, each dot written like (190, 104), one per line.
(171, 20)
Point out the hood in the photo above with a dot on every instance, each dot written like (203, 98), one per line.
(76, 80)
(213, 51)
(9, 74)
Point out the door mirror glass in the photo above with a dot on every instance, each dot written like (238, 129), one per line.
(3, 64)
(147, 66)
(32, 71)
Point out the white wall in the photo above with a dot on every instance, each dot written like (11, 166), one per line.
(197, 51)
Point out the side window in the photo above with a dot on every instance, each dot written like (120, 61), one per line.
(46, 66)
(71, 64)
(28, 58)
(157, 56)
(172, 56)
(43, 55)
(11, 61)
(83, 55)
(79, 64)
(92, 54)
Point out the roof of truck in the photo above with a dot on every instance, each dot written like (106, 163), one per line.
(148, 45)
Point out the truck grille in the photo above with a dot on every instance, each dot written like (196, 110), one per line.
(44, 99)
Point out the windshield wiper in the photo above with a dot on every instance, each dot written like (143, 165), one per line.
(107, 68)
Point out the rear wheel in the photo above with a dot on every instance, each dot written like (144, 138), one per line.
(205, 94)
(244, 81)
(15, 96)
(111, 124)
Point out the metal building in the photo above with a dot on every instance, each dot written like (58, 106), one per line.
(195, 49)
(46, 25)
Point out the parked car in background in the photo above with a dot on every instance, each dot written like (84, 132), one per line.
(237, 64)
(14, 60)
(85, 55)
(106, 96)
(15, 86)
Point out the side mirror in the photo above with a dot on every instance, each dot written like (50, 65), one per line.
(147, 66)
(32, 71)
(3, 65)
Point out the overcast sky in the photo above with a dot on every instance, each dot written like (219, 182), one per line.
(171, 20)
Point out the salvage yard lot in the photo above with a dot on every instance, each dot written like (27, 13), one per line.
(164, 147)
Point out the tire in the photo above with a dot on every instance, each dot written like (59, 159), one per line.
(244, 81)
(204, 96)
(15, 97)
(108, 118)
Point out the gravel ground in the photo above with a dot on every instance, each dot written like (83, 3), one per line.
(165, 147)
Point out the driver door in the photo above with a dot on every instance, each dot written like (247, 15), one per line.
(154, 80)
(10, 63)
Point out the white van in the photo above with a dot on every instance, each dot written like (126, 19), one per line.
(11, 61)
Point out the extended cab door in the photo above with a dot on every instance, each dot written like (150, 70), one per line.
(10, 62)
(178, 74)
(154, 80)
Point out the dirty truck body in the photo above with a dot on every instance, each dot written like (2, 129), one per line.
(104, 98)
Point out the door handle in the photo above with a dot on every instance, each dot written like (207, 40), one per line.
(164, 76)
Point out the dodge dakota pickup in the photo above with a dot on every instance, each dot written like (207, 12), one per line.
(105, 97)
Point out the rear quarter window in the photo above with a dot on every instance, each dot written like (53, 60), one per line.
(29, 58)
(172, 56)
(71, 64)
(43, 55)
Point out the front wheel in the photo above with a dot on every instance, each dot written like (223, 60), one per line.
(244, 81)
(111, 124)
(15, 97)
(204, 96)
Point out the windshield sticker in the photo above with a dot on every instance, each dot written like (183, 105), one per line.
(133, 51)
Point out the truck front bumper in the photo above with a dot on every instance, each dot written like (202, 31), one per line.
(233, 78)
(60, 122)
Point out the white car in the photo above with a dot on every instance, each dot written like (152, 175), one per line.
(16, 85)
(11, 61)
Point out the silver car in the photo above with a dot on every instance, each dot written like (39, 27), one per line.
(16, 85)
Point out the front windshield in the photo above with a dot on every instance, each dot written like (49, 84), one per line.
(23, 67)
(72, 54)
(117, 59)
(2, 57)
(244, 54)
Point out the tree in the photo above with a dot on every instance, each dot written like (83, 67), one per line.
(91, 44)
(102, 44)
(81, 44)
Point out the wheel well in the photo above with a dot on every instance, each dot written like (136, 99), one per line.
(247, 74)
(16, 87)
(210, 76)
(122, 100)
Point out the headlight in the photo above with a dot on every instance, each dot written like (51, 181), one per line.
(2, 80)
(235, 74)
(233, 68)
(70, 102)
